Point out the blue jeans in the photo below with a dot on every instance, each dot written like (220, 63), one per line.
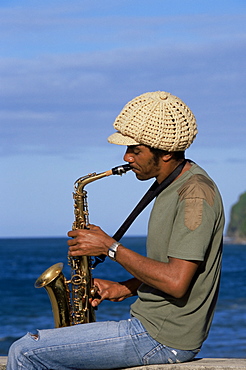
(100, 345)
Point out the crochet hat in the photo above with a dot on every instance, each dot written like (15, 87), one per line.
(157, 119)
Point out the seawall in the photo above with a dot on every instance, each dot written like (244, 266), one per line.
(197, 364)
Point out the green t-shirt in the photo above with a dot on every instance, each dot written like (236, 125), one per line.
(186, 222)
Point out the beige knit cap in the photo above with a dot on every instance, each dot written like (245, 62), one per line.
(157, 119)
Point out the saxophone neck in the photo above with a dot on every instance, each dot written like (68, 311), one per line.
(82, 181)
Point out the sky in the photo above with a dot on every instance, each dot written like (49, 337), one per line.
(67, 68)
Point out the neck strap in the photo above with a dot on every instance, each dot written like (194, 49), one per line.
(151, 193)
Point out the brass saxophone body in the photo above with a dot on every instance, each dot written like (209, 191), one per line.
(70, 299)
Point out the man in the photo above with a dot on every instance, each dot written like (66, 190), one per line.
(177, 284)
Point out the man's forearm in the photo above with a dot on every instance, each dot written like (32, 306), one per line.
(171, 277)
(131, 286)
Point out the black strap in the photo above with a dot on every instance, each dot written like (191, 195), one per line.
(153, 191)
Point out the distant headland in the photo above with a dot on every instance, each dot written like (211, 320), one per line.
(236, 231)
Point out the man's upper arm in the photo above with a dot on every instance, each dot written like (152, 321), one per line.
(182, 272)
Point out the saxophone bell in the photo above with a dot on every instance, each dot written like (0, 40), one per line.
(56, 286)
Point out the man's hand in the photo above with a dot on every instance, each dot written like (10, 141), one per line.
(89, 242)
(114, 291)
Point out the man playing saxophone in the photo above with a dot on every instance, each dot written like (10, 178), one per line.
(176, 284)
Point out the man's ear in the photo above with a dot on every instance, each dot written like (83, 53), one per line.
(167, 157)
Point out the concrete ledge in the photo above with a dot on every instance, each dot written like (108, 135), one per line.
(197, 364)
(3, 362)
(200, 364)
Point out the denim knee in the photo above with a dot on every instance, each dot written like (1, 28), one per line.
(16, 355)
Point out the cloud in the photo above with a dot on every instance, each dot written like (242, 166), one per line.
(56, 98)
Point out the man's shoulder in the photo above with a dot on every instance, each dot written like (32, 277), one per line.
(198, 185)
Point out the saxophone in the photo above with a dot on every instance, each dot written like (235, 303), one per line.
(70, 299)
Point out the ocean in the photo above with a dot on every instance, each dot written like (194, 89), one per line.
(25, 308)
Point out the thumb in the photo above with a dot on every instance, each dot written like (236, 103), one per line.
(96, 301)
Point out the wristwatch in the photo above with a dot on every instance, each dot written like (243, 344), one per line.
(112, 251)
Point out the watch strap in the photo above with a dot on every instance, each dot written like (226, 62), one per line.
(112, 250)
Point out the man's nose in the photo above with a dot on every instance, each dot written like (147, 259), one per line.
(128, 157)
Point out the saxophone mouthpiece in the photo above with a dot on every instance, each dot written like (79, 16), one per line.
(119, 170)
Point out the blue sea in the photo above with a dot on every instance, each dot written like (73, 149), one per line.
(25, 308)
